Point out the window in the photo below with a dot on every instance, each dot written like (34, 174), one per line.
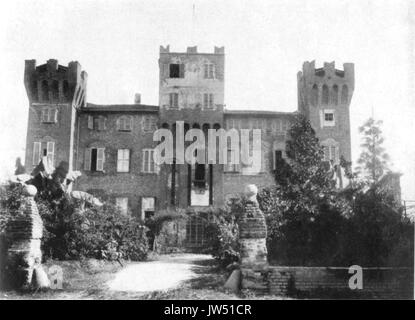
(314, 96)
(94, 159)
(50, 152)
(195, 231)
(229, 166)
(45, 90)
(37, 146)
(174, 100)
(328, 118)
(149, 124)
(122, 204)
(98, 123)
(209, 69)
(335, 95)
(55, 90)
(123, 160)
(208, 100)
(147, 207)
(331, 150)
(49, 115)
(124, 123)
(325, 96)
(278, 158)
(345, 94)
(149, 166)
(176, 70)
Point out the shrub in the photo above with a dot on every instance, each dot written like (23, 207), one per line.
(222, 234)
(102, 233)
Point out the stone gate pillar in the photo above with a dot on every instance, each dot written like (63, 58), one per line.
(252, 232)
(24, 233)
(253, 246)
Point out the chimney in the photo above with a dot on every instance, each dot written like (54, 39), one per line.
(137, 98)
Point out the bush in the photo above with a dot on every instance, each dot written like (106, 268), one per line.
(222, 234)
(72, 233)
(102, 233)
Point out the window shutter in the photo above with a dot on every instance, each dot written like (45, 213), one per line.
(50, 152)
(55, 115)
(321, 118)
(206, 71)
(118, 124)
(87, 162)
(36, 152)
(45, 114)
(90, 122)
(181, 75)
(100, 159)
(336, 155)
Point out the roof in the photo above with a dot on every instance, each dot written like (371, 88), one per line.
(120, 108)
(258, 113)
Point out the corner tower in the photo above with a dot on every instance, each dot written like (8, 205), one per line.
(55, 92)
(324, 96)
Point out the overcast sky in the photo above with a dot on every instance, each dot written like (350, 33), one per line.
(266, 42)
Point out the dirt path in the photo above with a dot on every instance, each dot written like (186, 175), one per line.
(169, 272)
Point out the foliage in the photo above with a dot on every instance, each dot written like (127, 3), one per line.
(310, 222)
(102, 233)
(71, 233)
(222, 232)
(373, 161)
(156, 223)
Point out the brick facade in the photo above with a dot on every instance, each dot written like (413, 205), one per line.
(191, 89)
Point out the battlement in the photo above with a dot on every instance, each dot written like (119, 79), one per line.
(328, 70)
(52, 82)
(192, 50)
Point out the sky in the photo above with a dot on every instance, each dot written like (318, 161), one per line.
(266, 43)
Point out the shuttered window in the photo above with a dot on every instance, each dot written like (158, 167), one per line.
(36, 152)
(149, 166)
(94, 159)
(50, 152)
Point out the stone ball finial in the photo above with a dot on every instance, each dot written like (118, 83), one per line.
(29, 190)
(251, 191)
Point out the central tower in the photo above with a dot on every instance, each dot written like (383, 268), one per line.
(191, 89)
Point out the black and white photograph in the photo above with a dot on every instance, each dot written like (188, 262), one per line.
(205, 150)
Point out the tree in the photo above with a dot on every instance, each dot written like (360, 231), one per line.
(304, 205)
(373, 162)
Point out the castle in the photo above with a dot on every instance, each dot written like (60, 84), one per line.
(113, 147)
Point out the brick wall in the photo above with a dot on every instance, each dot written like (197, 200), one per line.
(330, 282)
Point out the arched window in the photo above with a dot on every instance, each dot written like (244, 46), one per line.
(325, 96)
(314, 96)
(55, 90)
(45, 90)
(124, 123)
(34, 91)
(345, 94)
(66, 89)
(335, 95)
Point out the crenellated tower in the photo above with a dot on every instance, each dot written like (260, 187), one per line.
(55, 93)
(324, 96)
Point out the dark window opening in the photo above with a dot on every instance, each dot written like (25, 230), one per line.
(45, 90)
(200, 176)
(148, 214)
(66, 89)
(94, 156)
(328, 117)
(55, 90)
(176, 70)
